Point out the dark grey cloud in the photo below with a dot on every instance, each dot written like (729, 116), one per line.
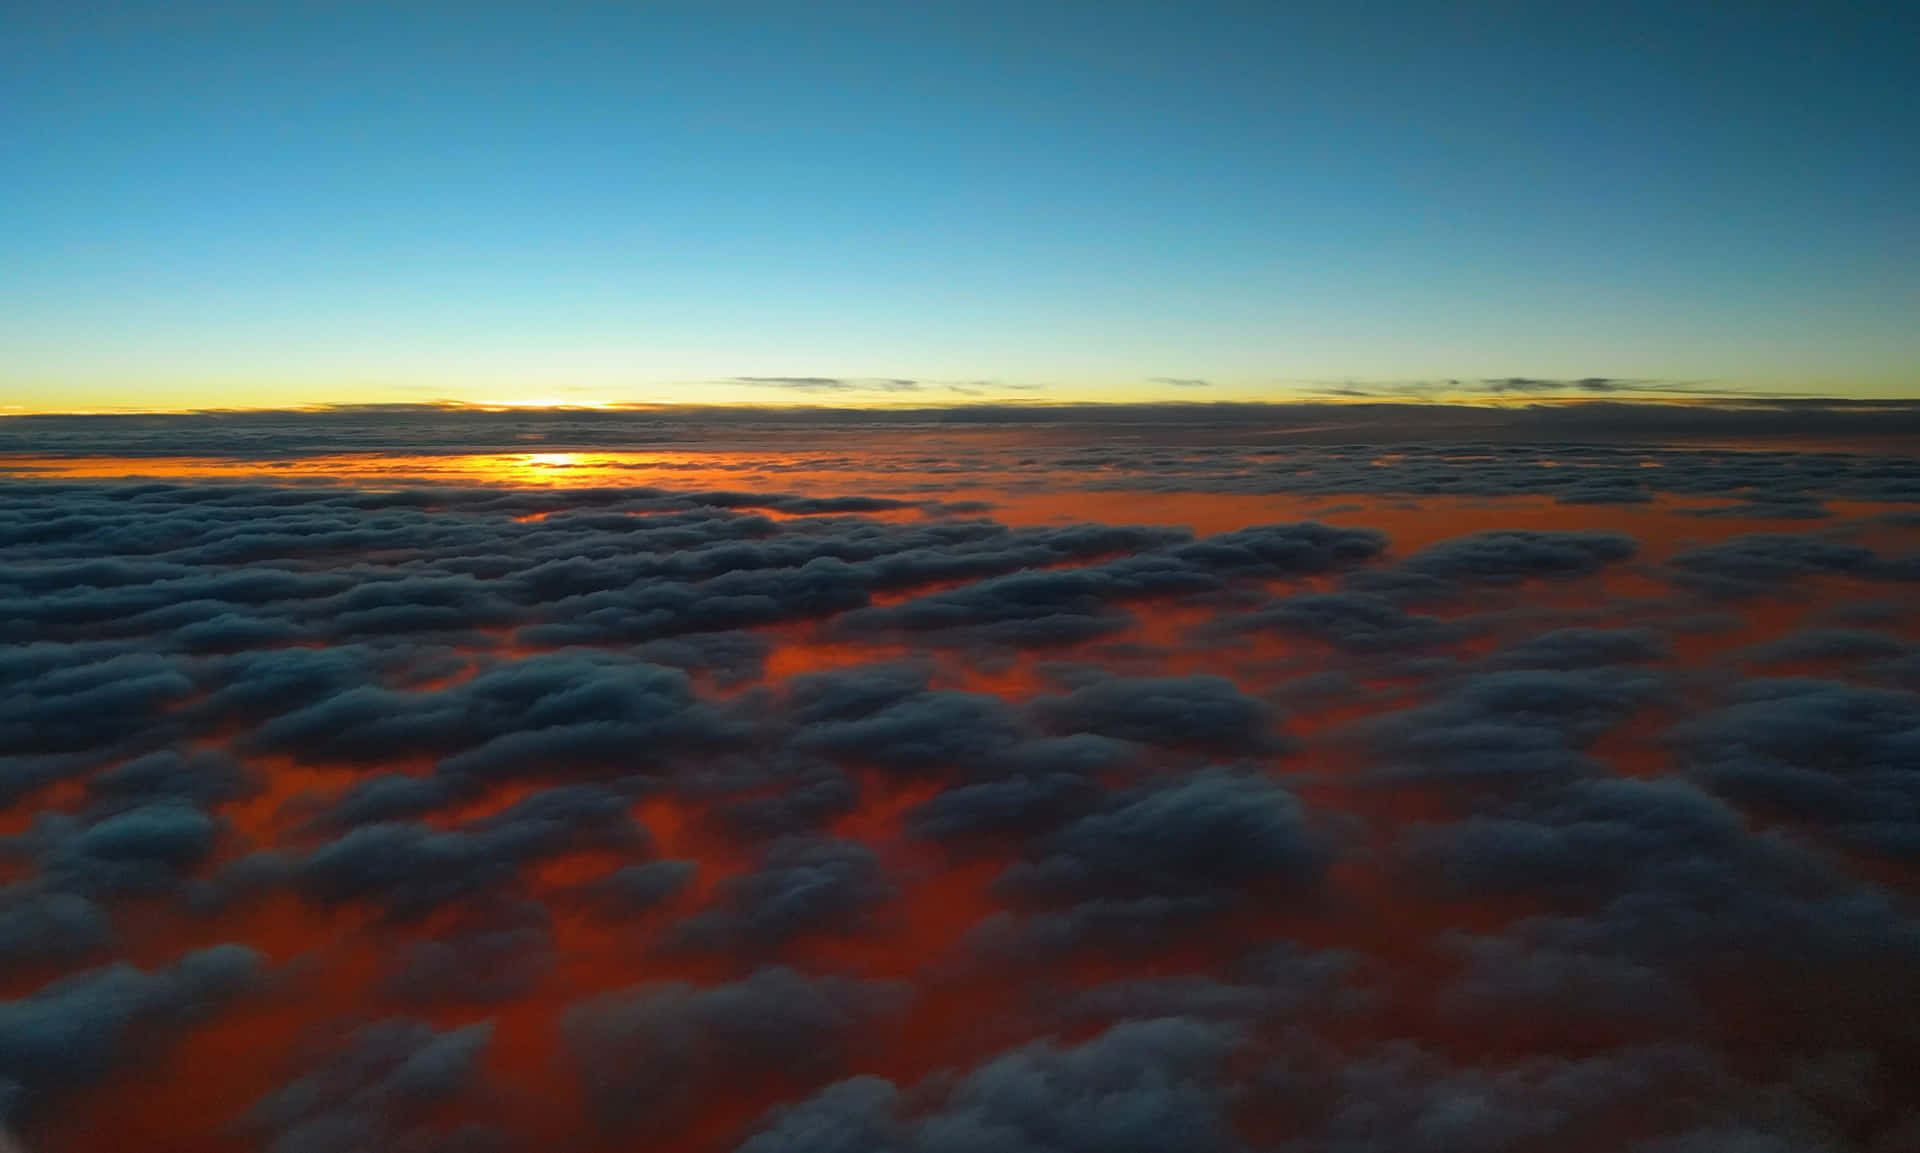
(1656, 885)
(1277, 550)
(1639, 1098)
(1519, 726)
(1203, 712)
(1202, 834)
(203, 777)
(1842, 758)
(1355, 622)
(1516, 983)
(489, 955)
(40, 926)
(563, 709)
(1583, 648)
(799, 885)
(389, 797)
(1044, 782)
(794, 794)
(57, 719)
(1508, 556)
(1014, 807)
(730, 658)
(1072, 605)
(209, 570)
(1032, 609)
(1825, 644)
(1180, 381)
(413, 868)
(142, 850)
(1144, 1085)
(1156, 859)
(1273, 983)
(650, 1056)
(635, 888)
(76, 1031)
(1764, 562)
(1587, 840)
(886, 716)
(378, 1092)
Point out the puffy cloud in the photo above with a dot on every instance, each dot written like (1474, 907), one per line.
(138, 850)
(797, 797)
(1403, 1097)
(1203, 712)
(1354, 621)
(1152, 859)
(1140, 1086)
(204, 777)
(413, 868)
(1526, 985)
(634, 888)
(1583, 648)
(1763, 562)
(1034, 609)
(1518, 725)
(62, 712)
(1825, 645)
(731, 658)
(1508, 556)
(1014, 807)
(1657, 884)
(539, 714)
(39, 925)
(1590, 838)
(1274, 982)
(77, 1030)
(1275, 550)
(1842, 758)
(377, 1092)
(650, 1055)
(886, 716)
(1197, 835)
(488, 956)
(800, 885)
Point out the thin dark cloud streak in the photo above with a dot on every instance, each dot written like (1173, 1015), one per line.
(1598, 418)
(833, 383)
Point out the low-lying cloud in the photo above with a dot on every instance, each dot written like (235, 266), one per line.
(1083, 794)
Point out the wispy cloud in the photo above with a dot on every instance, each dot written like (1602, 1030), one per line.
(1543, 386)
(832, 383)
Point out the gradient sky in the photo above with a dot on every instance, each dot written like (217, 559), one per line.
(218, 204)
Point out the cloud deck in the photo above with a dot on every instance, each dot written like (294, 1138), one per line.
(1423, 797)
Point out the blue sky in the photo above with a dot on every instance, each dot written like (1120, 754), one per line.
(218, 204)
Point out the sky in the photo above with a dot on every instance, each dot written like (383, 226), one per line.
(242, 205)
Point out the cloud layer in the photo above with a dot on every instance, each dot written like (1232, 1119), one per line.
(1519, 799)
